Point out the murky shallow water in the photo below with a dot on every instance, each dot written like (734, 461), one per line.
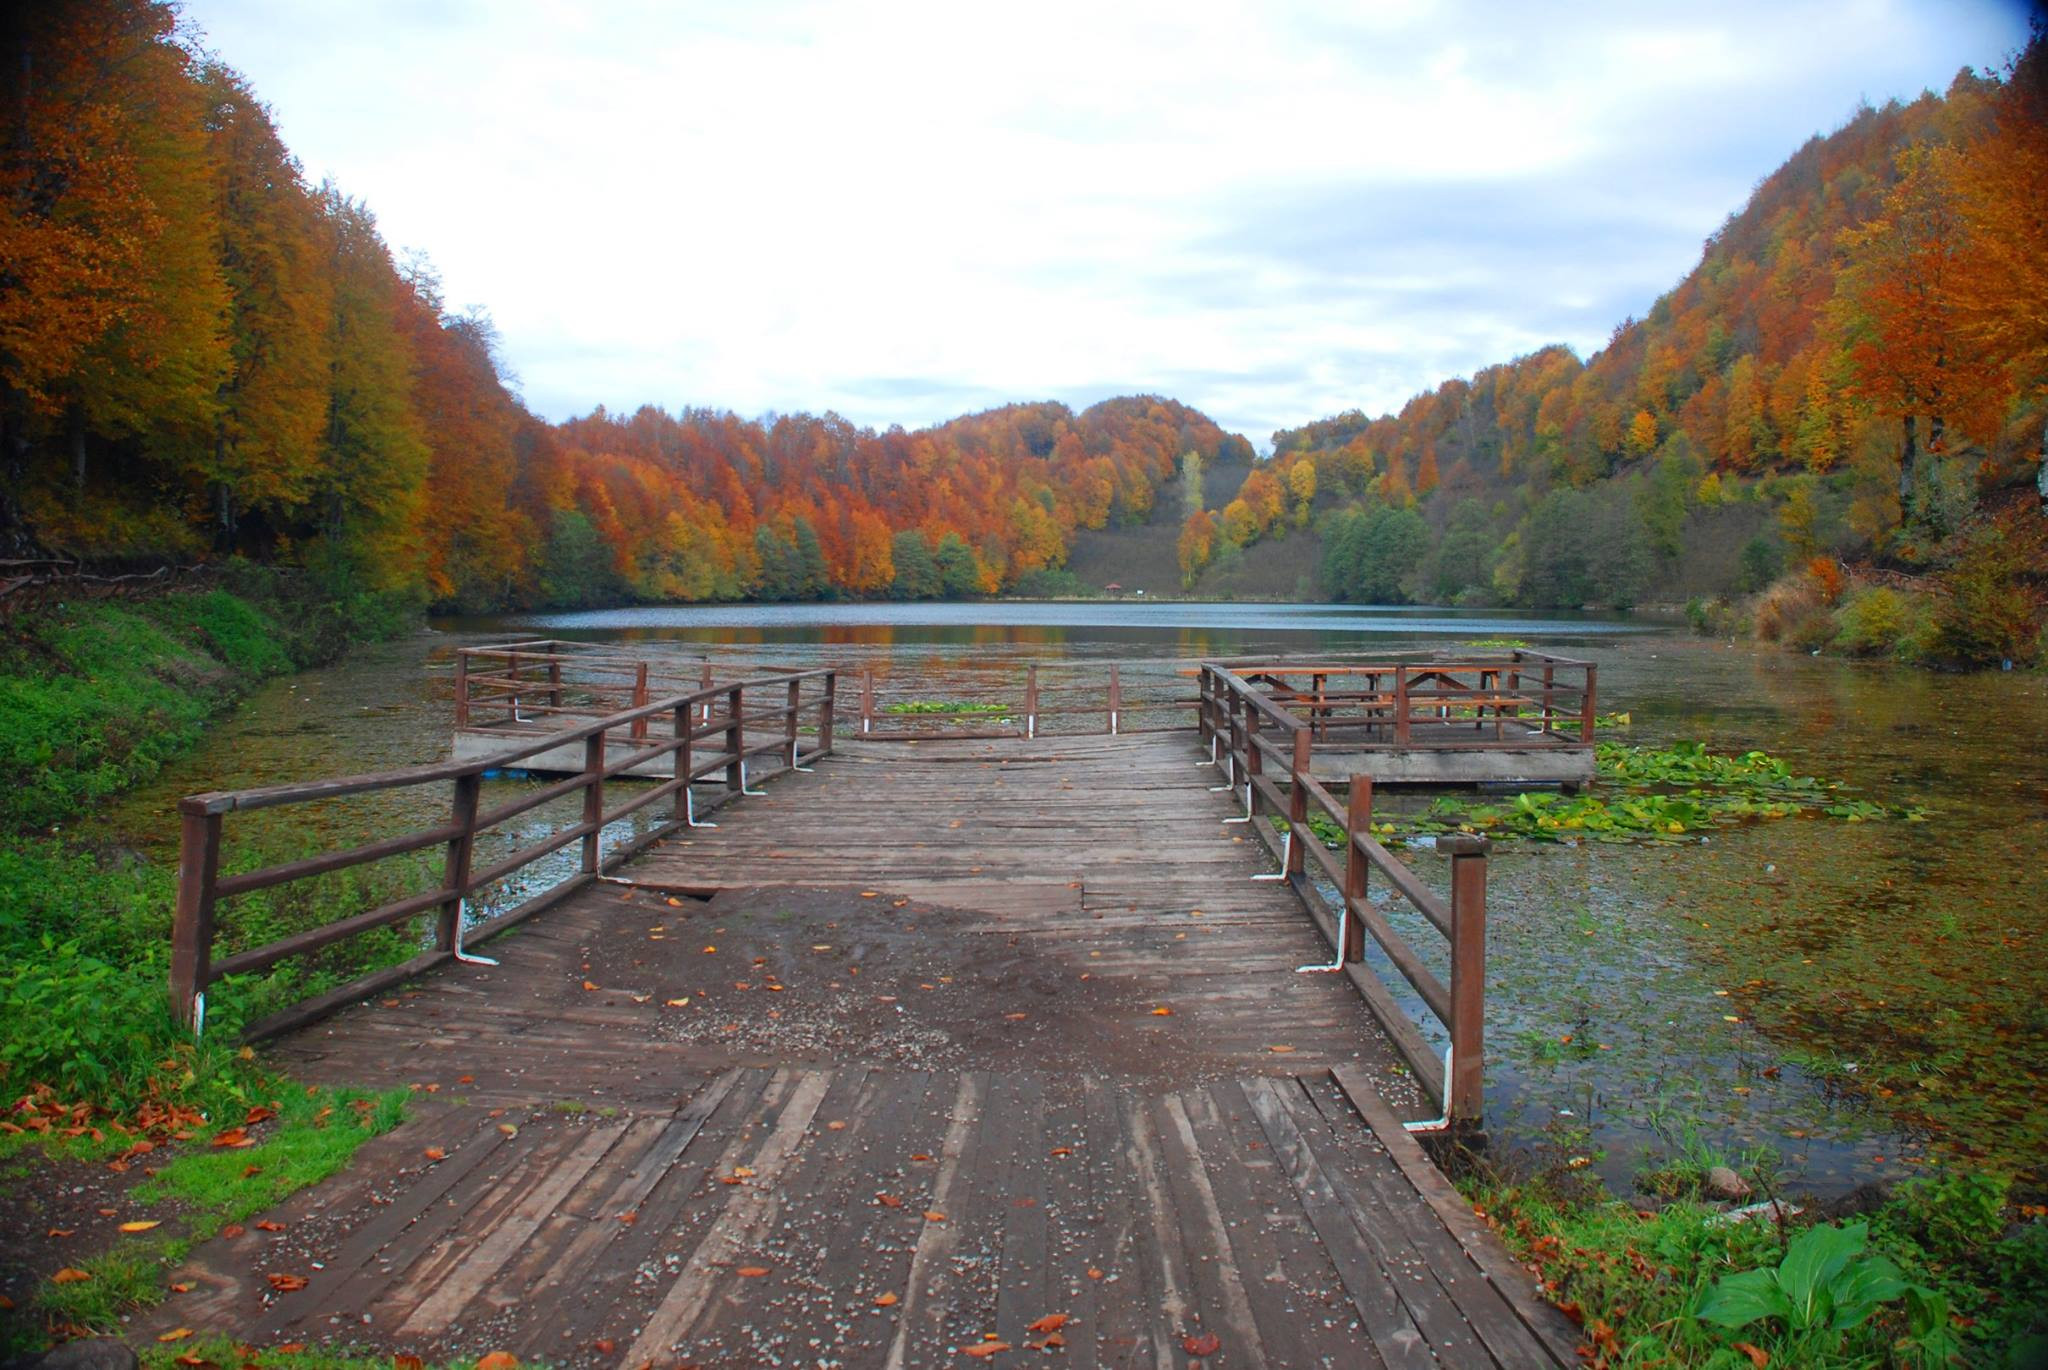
(1863, 998)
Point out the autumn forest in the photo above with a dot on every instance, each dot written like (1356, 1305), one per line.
(202, 356)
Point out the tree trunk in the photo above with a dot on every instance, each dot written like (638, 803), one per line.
(1910, 432)
(74, 432)
(2041, 474)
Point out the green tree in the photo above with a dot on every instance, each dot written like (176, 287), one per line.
(959, 569)
(917, 574)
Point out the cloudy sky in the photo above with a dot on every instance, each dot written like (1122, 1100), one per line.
(905, 211)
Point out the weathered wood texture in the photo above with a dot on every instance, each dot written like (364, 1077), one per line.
(918, 1096)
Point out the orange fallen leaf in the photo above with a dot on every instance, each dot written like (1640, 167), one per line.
(869, 894)
(460, 1080)
(751, 1272)
(836, 1125)
(1093, 1273)
(198, 1362)
(1280, 1050)
(289, 1348)
(60, 1232)
(1757, 1355)
(435, 1153)
(1051, 1322)
(498, 1360)
(985, 1350)
(231, 1231)
(673, 902)
(888, 1201)
(175, 1334)
(268, 1226)
(885, 1300)
(745, 1172)
(140, 1225)
(629, 1218)
(407, 1363)
(508, 1129)
(69, 1275)
(1063, 1151)
(1016, 1017)
(1162, 1012)
(932, 1215)
(234, 1137)
(604, 1346)
(181, 1288)
(285, 1284)
(1208, 1344)
(679, 1003)
(590, 984)
(709, 950)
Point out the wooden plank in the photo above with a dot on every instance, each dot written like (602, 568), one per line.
(1386, 1320)
(734, 1232)
(921, 1315)
(1219, 1287)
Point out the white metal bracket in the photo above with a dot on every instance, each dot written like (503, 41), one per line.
(1286, 851)
(758, 794)
(1343, 924)
(462, 916)
(690, 818)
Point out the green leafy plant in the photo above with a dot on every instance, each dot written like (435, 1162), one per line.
(1826, 1284)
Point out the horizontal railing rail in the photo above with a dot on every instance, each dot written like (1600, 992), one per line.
(751, 718)
(1265, 751)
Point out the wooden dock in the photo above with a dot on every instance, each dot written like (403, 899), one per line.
(965, 1050)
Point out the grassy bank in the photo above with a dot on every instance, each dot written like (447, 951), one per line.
(1939, 1272)
(96, 697)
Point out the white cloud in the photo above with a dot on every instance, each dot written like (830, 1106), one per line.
(899, 210)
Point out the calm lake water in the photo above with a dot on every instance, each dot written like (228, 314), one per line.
(1864, 999)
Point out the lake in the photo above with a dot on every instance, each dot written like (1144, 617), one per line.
(1862, 998)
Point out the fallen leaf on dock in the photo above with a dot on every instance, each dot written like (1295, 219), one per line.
(1162, 1012)
(69, 1275)
(679, 1003)
(985, 1350)
(285, 1284)
(885, 1300)
(1051, 1322)
(752, 1272)
(264, 1226)
(175, 1334)
(61, 1232)
(932, 1215)
(1208, 1344)
(435, 1153)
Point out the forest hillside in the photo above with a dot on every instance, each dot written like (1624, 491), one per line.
(1850, 388)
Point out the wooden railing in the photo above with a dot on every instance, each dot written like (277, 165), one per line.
(1264, 750)
(539, 683)
(1520, 699)
(743, 720)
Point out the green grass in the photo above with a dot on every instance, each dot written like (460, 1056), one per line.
(943, 706)
(225, 1351)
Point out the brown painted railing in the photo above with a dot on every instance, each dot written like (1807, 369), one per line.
(756, 717)
(1520, 699)
(1264, 750)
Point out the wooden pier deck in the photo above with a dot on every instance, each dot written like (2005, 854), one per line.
(938, 1054)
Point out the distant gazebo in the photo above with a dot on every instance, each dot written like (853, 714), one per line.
(1112, 589)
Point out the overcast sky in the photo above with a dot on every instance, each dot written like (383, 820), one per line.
(906, 211)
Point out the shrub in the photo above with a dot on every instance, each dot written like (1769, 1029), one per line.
(1989, 614)
(1871, 622)
(1784, 607)
(1828, 580)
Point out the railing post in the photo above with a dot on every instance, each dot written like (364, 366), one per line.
(825, 708)
(704, 683)
(192, 932)
(1116, 697)
(1586, 713)
(593, 800)
(1204, 727)
(1464, 1090)
(555, 683)
(1297, 802)
(512, 675)
(640, 701)
(682, 761)
(1400, 706)
(1031, 700)
(796, 691)
(462, 687)
(867, 698)
(1549, 701)
(1254, 763)
(735, 740)
(1357, 867)
(456, 865)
